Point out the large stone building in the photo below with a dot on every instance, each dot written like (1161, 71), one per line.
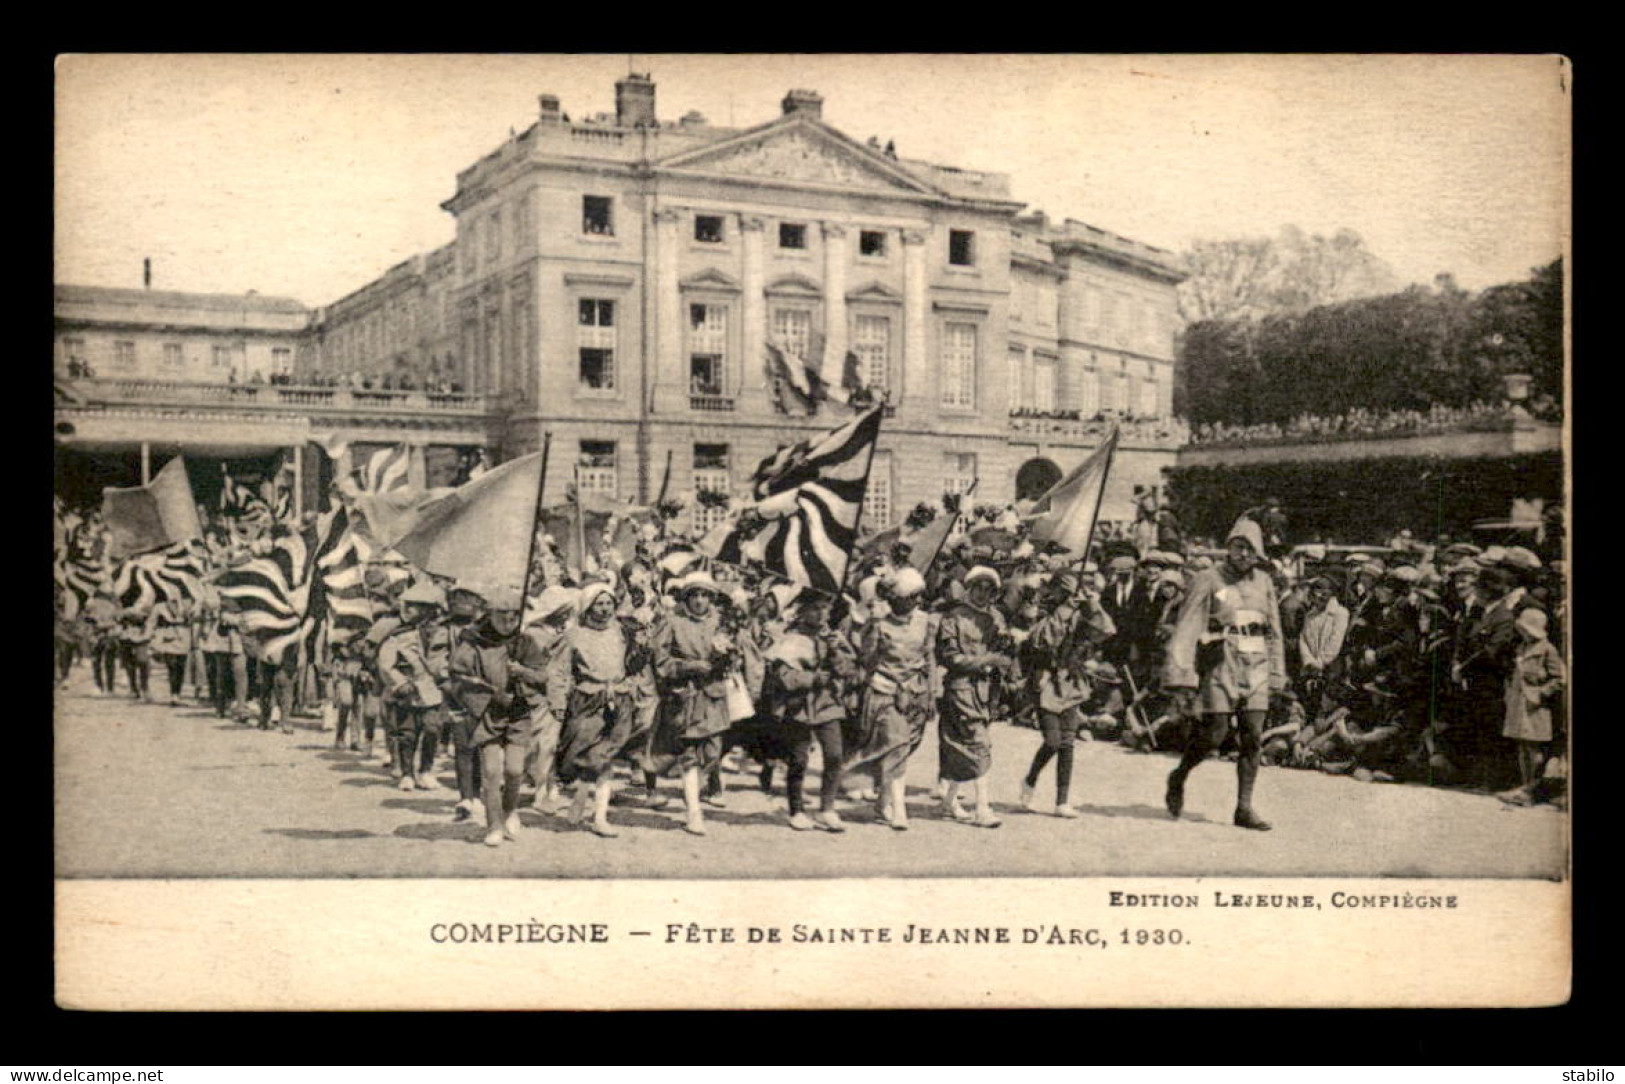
(616, 282)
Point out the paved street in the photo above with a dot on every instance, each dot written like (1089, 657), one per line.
(152, 791)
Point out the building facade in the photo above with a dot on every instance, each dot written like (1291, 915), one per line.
(616, 282)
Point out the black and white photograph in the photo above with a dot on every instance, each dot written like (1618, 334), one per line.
(841, 470)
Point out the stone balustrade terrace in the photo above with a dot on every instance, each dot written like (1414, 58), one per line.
(149, 391)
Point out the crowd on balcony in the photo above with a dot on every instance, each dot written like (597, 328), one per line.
(1131, 426)
(358, 381)
(1364, 422)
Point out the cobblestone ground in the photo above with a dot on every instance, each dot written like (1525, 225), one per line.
(153, 790)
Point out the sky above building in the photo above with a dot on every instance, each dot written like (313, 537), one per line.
(307, 176)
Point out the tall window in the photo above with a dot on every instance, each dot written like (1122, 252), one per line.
(1111, 389)
(1044, 301)
(791, 331)
(1092, 301)
(1089, 393)
(173, 358)
(493, 349)
(1148, 398)
(598, 216)
(707, 349)
(871, 341)
(1044, 383)
(524, 220)
(959, 365)
(73, 351)
(124, 355)
(962, 248)
(595, 472)
(710, 476)
(281, 360)
(877, 508)
(493, 237)
(470, 249)
(595, 341)
(958, 472)
(522, 354)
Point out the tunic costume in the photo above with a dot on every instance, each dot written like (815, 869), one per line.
(971, 646)
(639, 623)
(486, 682)
(1228, 645)
(1058, 645)
(1228, 642)
(170, 624)
(897, 706)
(542, 756)
(802, 696)
(587, 686)
(1537, 680)
(692, 678)
(759, 736)
(413, 662)
(101, 617)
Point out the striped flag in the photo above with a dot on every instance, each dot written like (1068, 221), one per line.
(79, 575)
(240, 502)
(175, 573)
(385, 471)
(273, 593)
(338, 594)
(809, 500)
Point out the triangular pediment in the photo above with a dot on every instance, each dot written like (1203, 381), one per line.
(794, 286)
(800, 150)
(710, 279)
(874, 291)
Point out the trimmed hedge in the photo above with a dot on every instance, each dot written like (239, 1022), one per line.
(1364, 502)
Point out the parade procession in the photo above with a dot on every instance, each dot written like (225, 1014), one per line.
(770, 498)
(533, 656)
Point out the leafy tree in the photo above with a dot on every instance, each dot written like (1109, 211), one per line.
(1291, 272)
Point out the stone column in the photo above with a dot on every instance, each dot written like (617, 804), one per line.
(753, 307)
(835, 330)
(917, 382)
(146, 463)
(668, 303)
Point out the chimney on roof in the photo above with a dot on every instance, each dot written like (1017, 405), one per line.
(635, 101)
(549, 108)
(809, 102)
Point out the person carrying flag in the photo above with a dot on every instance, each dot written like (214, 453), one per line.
(1057, 650)
(495, 677)
(1227, 660)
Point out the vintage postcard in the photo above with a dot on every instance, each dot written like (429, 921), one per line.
(811, 531)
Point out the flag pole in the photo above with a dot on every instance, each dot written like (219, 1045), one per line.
(857, 524)
(665, 479)
(579, 527)
(535, 517)
(957, 514)
(1100, 495)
